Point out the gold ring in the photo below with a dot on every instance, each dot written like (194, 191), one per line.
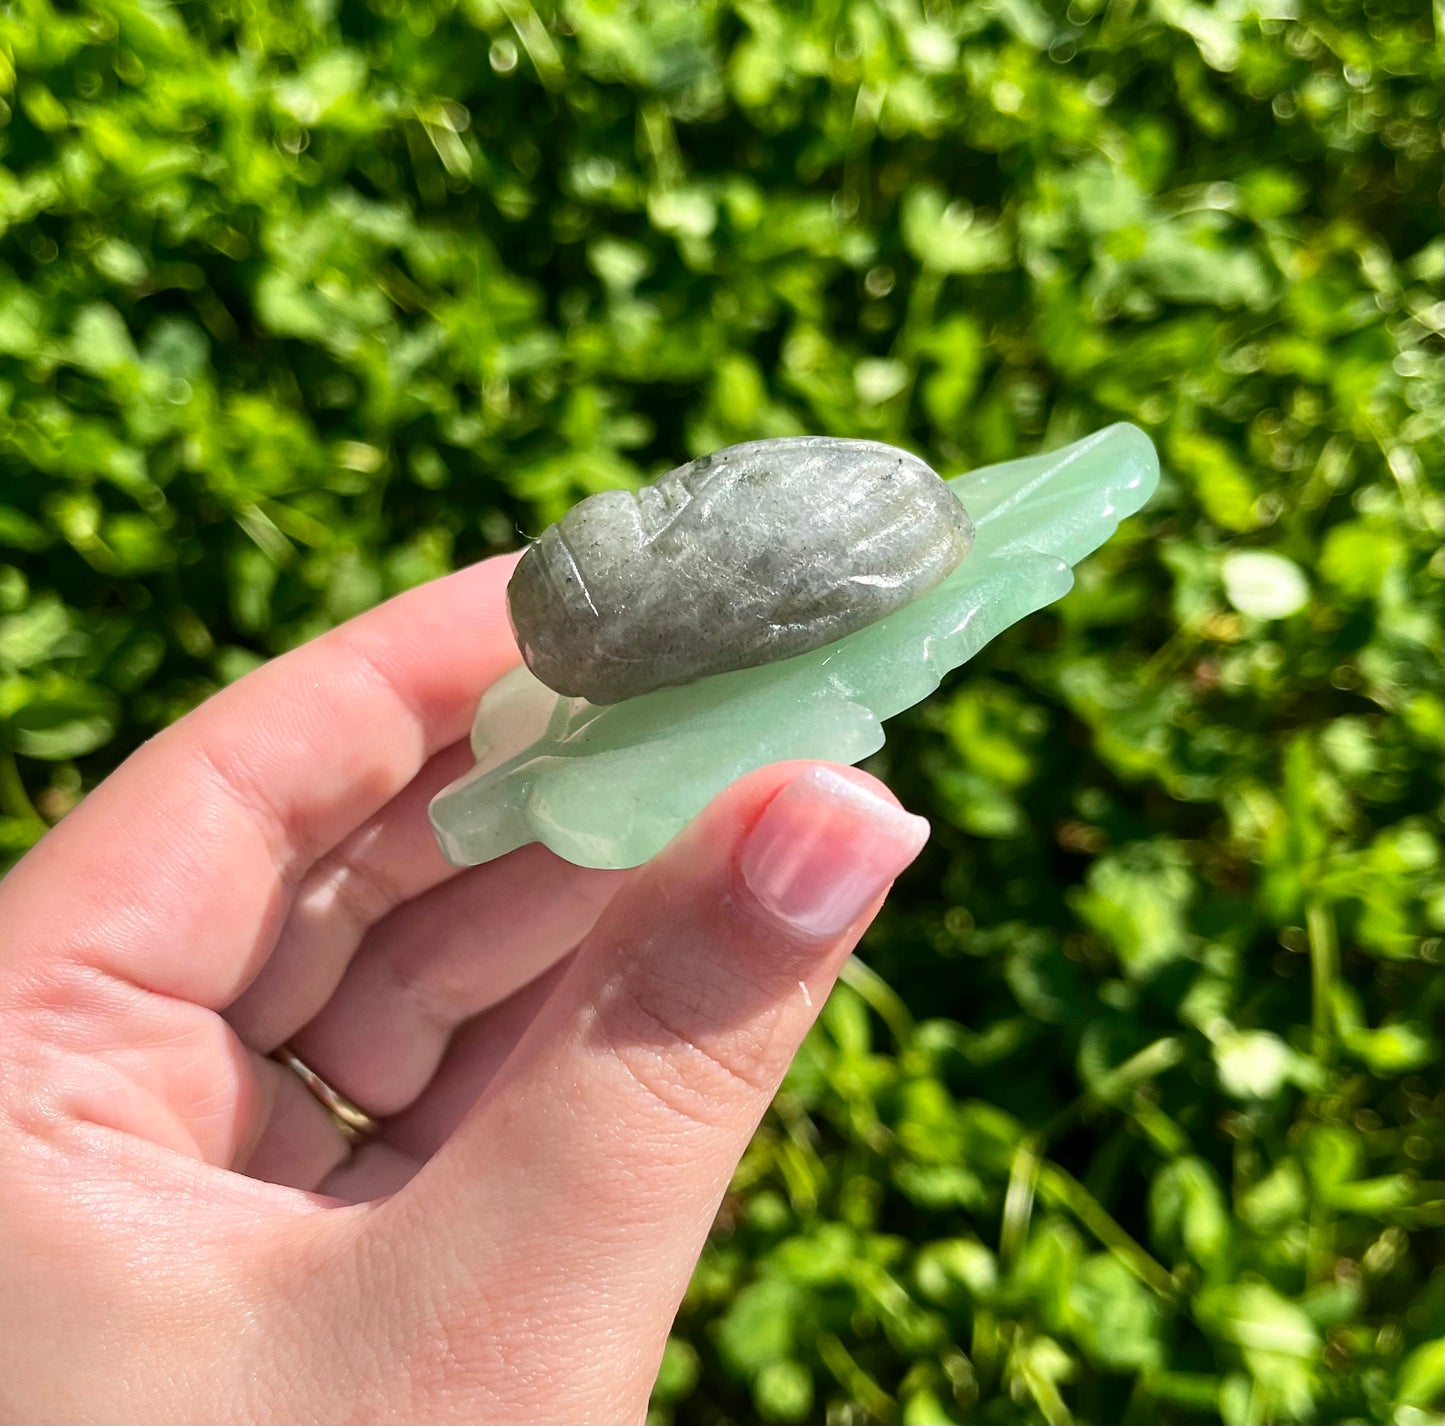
(355, 1124)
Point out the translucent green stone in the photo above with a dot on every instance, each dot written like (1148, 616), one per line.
(610, 786)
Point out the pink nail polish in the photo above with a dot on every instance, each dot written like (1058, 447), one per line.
(825, 849)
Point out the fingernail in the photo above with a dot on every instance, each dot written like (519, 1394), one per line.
(825, 849)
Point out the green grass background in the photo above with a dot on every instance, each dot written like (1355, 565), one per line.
(1131, 1111)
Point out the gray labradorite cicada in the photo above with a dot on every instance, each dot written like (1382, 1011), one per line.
(742, 557)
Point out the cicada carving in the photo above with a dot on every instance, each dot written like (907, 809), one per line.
(752, 554)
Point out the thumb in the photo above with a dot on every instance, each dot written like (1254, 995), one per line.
(576, 1197)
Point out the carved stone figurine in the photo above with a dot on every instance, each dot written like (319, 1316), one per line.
(742, 557)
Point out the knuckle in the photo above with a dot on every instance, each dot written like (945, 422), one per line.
(699, 1041)
(226, 769)
(361, 889)
(371, 662)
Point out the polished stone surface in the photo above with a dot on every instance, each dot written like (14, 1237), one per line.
(610, 786)
(743, 557)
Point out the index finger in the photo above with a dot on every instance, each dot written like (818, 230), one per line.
(176, 872)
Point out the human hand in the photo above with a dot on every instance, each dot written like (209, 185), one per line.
(567, 1063)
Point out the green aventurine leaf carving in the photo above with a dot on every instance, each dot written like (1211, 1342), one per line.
(609, 787)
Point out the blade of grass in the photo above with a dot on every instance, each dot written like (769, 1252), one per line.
(1057, 1186)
